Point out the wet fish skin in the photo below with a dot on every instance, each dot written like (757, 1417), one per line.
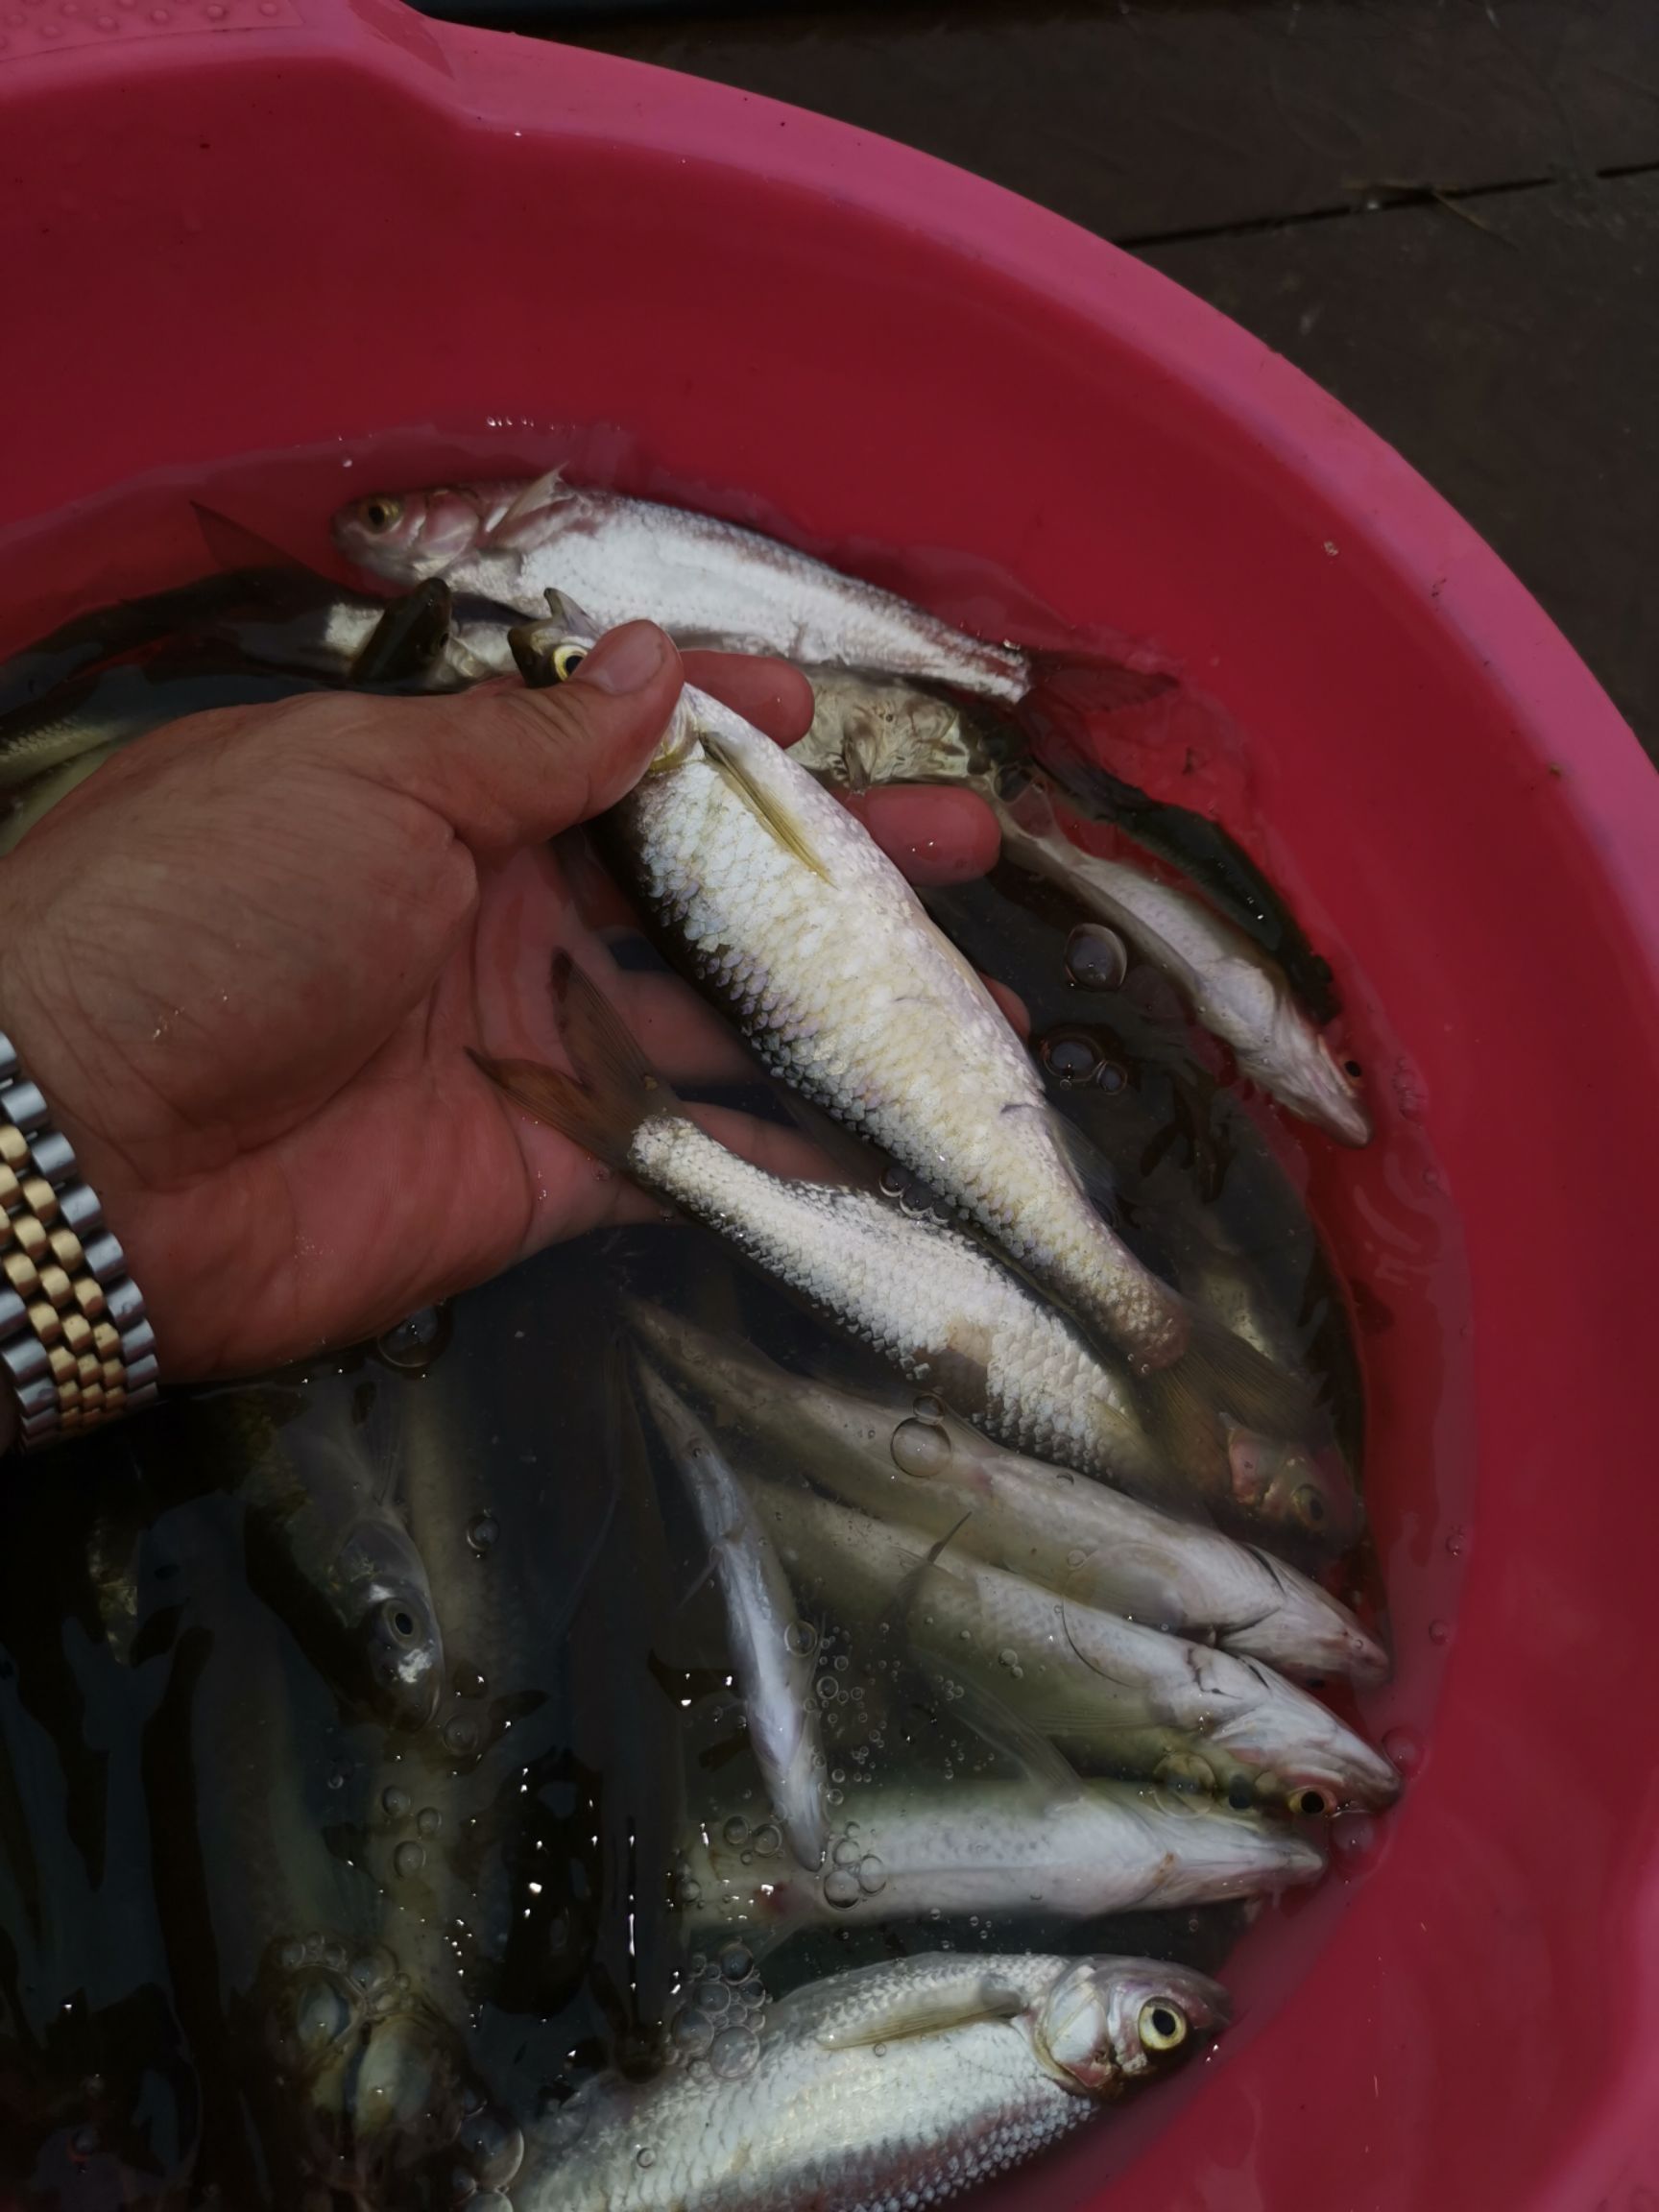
(1083, 1539)
(1236, 991)
(774, 1679)
(928, 1298)
(1109, 1693)
(338, 1562)
(698, 576)
(899, 2084)
(1002, 1847)
(1233, 990)
(785, 911)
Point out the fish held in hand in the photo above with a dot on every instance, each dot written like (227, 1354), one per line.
(783, 907)
(1084, 1540)
(703, 580)
(905, 2082)
(864, 736)
(771, 1662)
(930, 1300)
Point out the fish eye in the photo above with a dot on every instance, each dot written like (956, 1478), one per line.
(1353, 1070)
(1308, 1506)
(566, 659)
(402, 1622)
(380, 512)
(1161, 2026)
(1310, 1802)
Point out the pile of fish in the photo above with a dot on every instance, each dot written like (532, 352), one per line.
(1022, 1545)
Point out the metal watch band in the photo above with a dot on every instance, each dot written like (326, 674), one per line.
(75, 1345)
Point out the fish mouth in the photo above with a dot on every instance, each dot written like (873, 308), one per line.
(1309, 1080)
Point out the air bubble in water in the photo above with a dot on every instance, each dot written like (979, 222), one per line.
(482, 1530)
(1096, 958)
(1070, 1057)
(846, 1852)
(396, 1802)
(768, 1839)
(1458, 1542)
(1439, 1631)
(841, 1887)
(1403, 1749)
(321, 2014)
(733, 2054)
(692, 2033)
(461, 1734)
(644, 2155)
(872, 1875)
(736, 1964)
(802, 1638)
(920, 1447)
(927, 1407)
(428, 1820)
(408, 1858)
(735, 1832)
(413, 1342)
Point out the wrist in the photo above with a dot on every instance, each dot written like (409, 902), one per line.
(76, 1346)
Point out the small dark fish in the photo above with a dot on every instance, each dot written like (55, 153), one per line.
(334, 1559)
(408, 637)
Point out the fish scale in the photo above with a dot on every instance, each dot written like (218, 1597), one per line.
(878, 2091)
(849, 992)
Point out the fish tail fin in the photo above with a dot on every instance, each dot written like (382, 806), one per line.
(614, 1088)
(1220, 1373)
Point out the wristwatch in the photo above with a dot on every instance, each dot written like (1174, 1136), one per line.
(76, 1347)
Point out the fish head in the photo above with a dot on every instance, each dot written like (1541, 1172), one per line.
(392, 1625)
(409, 536)
(1293, 1488)
(550, 652)
(1108, 2020)
(1302, 1758)
(1303, 1073)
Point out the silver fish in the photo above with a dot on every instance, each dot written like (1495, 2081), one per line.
(928, 1297)
(699, 577)
(771, 1659)
(902, 1851)
(864, 734)
(897, 2084)
(1082, 1539)
(1111, 1693)
(1234, 991)
(791, 914)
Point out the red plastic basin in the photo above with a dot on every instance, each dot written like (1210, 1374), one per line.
(238, 228)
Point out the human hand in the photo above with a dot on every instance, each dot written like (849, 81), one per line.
(244, 960)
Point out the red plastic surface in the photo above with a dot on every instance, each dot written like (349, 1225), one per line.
(361, 234)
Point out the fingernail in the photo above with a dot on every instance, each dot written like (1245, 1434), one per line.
(624, 659)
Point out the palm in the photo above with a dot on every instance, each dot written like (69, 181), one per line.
(265, 951)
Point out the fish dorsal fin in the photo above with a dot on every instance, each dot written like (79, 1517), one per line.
(904, 1997)
(235, 546)
(773, 817)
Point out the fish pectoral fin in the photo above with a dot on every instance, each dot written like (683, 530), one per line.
(529, 501)
(906, 1997)
(772, 817)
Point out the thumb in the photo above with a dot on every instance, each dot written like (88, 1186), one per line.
(509, 767)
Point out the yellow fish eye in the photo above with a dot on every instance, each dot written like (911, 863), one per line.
(566, 659)
(1161, 2026)
(1311, 1801)
(382, 512)
(1308, 1506)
